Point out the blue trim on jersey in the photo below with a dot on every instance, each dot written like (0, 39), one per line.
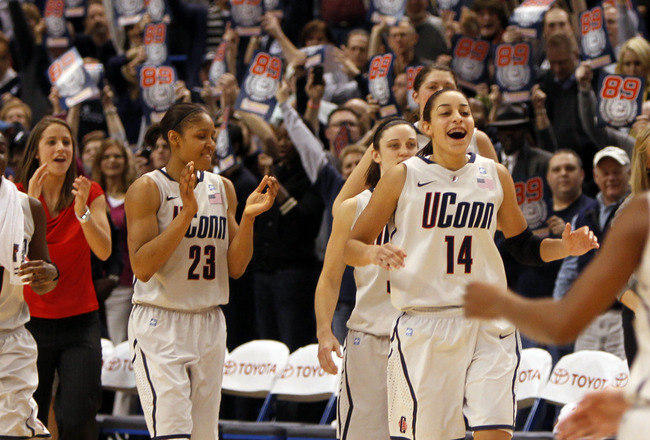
(515, 378)
(2, 274)
(392, 437)
(164, 172)
(470, 159)
(200, 176)
(425, 159)
(153, 390)
(167, 437)
(348, 419)
(491, 427)
(406, 376)
(22, 437)
(644, 382)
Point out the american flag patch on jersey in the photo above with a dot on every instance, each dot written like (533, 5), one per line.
(215, 199)
(485, 182)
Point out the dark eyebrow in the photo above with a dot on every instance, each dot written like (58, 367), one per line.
(449, 105)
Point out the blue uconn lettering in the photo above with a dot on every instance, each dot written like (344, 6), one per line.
(441, 210)
(209, 226)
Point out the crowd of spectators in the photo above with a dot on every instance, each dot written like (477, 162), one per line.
(317, 134)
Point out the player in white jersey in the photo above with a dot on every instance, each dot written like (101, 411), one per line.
(22, 228)
(445, 209)
(363, 398)
(184, 243)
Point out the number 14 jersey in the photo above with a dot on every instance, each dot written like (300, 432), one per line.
(195, 277)
(445, 222)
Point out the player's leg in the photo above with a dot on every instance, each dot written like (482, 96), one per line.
(426, 377)
(209, 330)
(490, 403)
(19, 379)
(363, 397)
(159, 363)
(45, 333)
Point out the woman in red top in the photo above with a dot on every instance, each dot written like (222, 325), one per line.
(65, 322)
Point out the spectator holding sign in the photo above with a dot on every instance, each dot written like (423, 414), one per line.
(493, 19)
(634, 59)
(402, 39)
(96, 41)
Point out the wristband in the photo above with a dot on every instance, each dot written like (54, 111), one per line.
(311, 105)
(85, 218)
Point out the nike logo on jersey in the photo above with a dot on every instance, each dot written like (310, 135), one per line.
(505, 336)
(420, 184)
(171, 198)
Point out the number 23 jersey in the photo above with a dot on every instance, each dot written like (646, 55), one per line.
(445, 221)
(195, 277)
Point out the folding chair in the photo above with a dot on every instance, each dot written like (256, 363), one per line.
(583, 371)
(303, 380)
(107, 348)
(534, 368)
(117, 370)
(252, 368)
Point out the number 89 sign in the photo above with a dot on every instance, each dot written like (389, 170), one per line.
(379, 84)
(620, 98)
(261, 83)
(514, 71)
(157, 85)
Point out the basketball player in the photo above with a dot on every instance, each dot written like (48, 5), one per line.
(625, 250)
(445, 209)
(363, 397)
(22, 228)
(184, 243)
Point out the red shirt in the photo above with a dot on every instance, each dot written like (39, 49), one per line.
(75, 293)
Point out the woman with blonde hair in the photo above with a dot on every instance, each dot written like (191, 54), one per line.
(640, 181)
(634, 59)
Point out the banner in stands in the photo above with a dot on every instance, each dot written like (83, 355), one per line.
(257, 94)
(275, 7)
(411, 73)
(380, 82)
(157, 9)
(469, 61)
(594, 40)
(56, 28)
(224, 149)
(514, 71)
(157, 90)
(155, 43)
(245, 16)
(75, 8)
(529, 17)
(128, 12)
(620, 98)
(452, 5)
(219, 65)
(68, 75)
(390, 11)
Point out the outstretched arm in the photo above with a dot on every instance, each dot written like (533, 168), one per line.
(558, 322)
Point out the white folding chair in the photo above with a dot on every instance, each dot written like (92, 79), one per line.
(534, 368)
(107, 348)
(303, 380)
(251, 369)
(578, 373)
(117, 369)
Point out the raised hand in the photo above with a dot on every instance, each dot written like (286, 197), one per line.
(80, 190)
(37, 272)
(36, 181)
(580, 241)
(260, 201)
(186, 184)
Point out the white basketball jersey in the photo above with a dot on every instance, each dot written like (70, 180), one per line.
(445, 222)
(14, 311)
(195, 277)
(640, 374)
(373, 312)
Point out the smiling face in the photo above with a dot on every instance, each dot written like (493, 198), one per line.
(434, 81)
(612, 179)
(631, 64)
(113, 161)
(197, 141)
(396, 144)
(451, 125)
(55, 148)
(565, 176)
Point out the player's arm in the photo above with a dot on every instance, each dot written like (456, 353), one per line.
(485, 147)
(240, 250)
(523, 244)
(44, 275)
(359, 249)
(559, 322)
(329, 285)
(356, 181)
(149, 250)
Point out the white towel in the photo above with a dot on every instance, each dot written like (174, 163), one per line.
(12, 230)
